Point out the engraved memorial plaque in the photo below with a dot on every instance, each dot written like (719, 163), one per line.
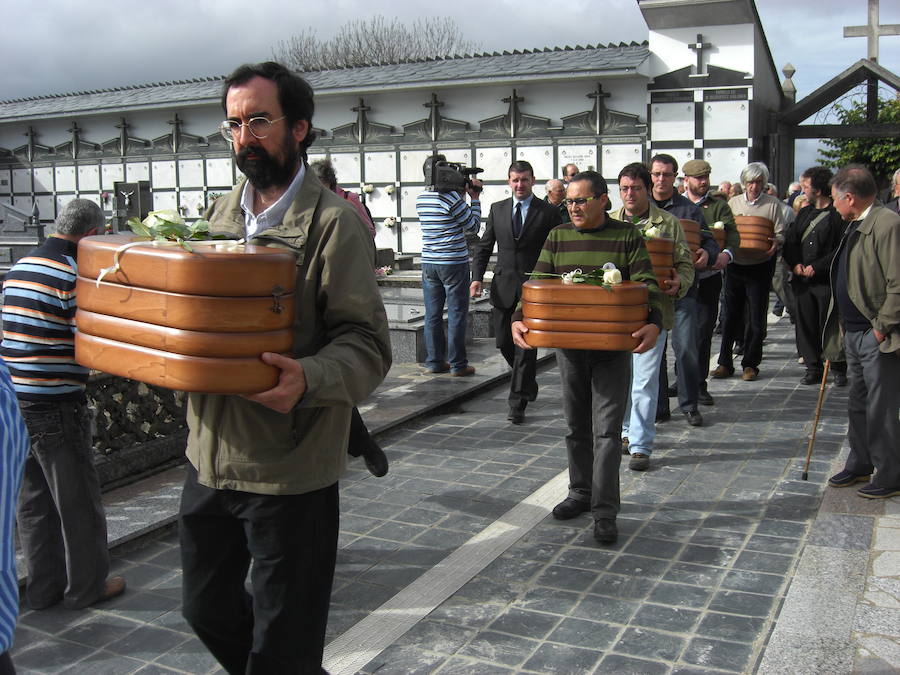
(218, 173)
(408, 197)
(495, 162)
(88, 178)
(164, 200)
(191, 203)
(136, 171)
(411, 162)
(385, 237)
(726, 163)
(615, 157)
(491, 194)
(163, 174)
(111, 174)
(190, 172)
(21, 180)
(582, 156)
(725, 120)
(65, 179)
(46, 204)
(411, 236)
(43, 179)
(541, 159)
(346, 166)
(381, 167)
(672, 122)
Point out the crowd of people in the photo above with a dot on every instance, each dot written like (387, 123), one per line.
(261, 488)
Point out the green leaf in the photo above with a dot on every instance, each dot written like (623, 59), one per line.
(139, 228)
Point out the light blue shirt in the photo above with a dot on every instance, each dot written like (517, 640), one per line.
(273, 215)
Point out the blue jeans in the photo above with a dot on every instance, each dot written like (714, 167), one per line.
(685, 343)
(450, 284)
(640, 413)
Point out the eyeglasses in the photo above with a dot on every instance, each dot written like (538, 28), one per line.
(661, 174)
(580, 201)
(260, 127)
(632, 188)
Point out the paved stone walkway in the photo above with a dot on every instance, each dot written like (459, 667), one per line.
(726, 561)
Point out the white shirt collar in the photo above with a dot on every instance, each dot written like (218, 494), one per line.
(273, 215)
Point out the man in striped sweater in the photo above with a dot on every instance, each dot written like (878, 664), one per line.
(62, 526)
(595, 383)
(445, 218)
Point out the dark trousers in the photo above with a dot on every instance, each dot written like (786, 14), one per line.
(746, 292)
(873, 406)
(62, 525)
(6, 664)
(707, 314)
(811, 305)
(595, 387)
(292, 541)
(523, 382)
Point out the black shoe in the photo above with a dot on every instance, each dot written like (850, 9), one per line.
(811, 378)
(704, 397)
(663, 417)
(375, 459)
(569, 508)
(846, 478)
(515, 415)
(639, 462)
(778, 311)
(840, 380)
(605, 531)
(694, 418)
(672, 391)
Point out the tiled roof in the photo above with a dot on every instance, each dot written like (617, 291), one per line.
(479, 68)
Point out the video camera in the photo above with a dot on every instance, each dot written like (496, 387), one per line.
(446, 176)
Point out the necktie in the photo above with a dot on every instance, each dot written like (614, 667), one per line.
(517, 221)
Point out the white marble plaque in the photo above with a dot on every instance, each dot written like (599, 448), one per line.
(190, 172)
(47, 206)
(460, 155)
(218, 173)
(672, 122)
(43, 179)
(192, 203)
(495, 162)
(582, 156)
(725, 120)
(381, 167)
(88, 178)
(25, 204)
(681, 155)
(346, 166)
(164, 200)
(65, 179)
(21, 179)
(726, 163)
(385, 237)
(615, 157)
(110, 175)
(381, 204)
(5, 182)
(615, 199)
(491, 194)
(408, 201)
(411, 237)
(163, 174)
(135, 171)
(411, 163)
(541, 159)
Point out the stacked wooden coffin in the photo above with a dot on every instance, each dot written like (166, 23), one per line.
(188, 320)
(757, 235)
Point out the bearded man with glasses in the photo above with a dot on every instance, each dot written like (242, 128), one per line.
(262, 477)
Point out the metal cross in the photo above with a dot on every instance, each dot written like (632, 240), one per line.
(176, 132)
(435, 116)
(599, 108)
(514, 102)
(872, 31)
(360, 111)
(698, 47)
(127, 196)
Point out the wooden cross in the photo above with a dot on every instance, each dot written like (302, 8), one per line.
(599, 108)
(434, 104)
(513, 114)
(872, 31)
(360, 111)
(698, 47)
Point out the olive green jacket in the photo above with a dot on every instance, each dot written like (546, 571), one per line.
(873, 281)
(340, 339)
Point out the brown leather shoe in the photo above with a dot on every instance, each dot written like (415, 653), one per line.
(750, 374)
(115, 586)
(464, 372)
(721, 372)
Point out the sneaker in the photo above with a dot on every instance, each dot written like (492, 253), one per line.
(605, 531)
(437, 370)
(721, 372)
(847, 478)
(464, 372)
(569, 508)
(870, 491)
(750, 374)
(704, 397)
(639, 462)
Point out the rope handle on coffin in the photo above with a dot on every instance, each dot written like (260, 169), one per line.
(224, 244)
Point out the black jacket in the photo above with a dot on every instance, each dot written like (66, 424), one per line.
(818, 248)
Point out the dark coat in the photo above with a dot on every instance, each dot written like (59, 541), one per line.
(515, 258)
(819, 247)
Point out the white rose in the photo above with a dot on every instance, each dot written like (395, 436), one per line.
(652, 232)
(718, 225)
(612, 277)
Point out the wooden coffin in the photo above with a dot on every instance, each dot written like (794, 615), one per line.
(209, 270)
(662, 257)
(757, 234)
(583, 316)
(691, 230)
(719, 236)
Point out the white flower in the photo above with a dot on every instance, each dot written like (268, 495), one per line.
(389, 189)
(165, 215)
(390, 221)
(652, 232)
(573, 277)
(612, 277)
(718, 225)
(368, 188)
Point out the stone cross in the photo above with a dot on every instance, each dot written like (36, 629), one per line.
(434, 115)
(872, 31)
(31, 134)
(513, 114)
(599, 108)
(698, 47)
(76, 139)
(176, 132)
(361, 111)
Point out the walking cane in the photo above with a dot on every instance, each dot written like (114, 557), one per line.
(812, 437)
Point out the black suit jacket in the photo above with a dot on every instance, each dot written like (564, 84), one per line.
(515, 258)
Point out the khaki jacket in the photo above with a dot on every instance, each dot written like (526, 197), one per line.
(340, 339)
(873, 281)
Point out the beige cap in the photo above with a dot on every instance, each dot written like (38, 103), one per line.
(696, 167)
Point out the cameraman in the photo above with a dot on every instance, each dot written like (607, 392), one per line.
(445, 218)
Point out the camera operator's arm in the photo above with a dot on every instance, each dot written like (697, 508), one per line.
(473, 189)
(468, 217)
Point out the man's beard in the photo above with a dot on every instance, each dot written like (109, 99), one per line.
(265, 171)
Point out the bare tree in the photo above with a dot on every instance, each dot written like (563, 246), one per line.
(364, 42)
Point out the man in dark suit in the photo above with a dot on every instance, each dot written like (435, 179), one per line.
(518, 226)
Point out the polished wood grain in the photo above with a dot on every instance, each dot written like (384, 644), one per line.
(584, 312)
(691, 230)
(554, 291)
(601, 341)
(719, 236)
(571, 326)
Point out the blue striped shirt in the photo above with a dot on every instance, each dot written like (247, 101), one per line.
(39, 324)
(13, 451)
(445, 217)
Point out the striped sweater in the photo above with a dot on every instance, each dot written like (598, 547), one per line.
(39, 324)
(445, 218)
(567, 248)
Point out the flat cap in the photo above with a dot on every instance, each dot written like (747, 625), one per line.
(696, 167)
